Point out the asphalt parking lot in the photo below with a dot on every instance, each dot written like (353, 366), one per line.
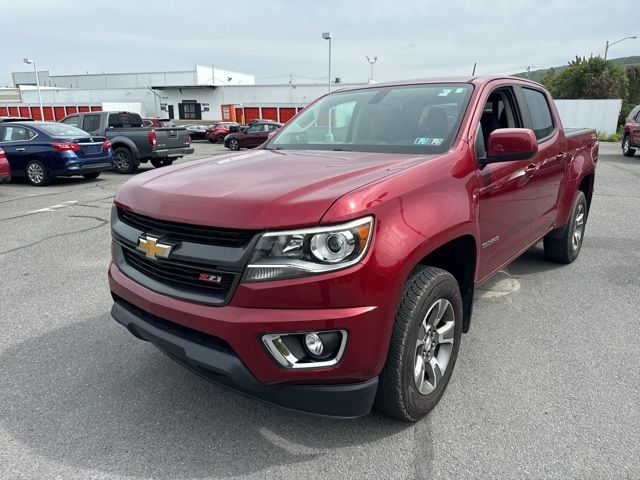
(547, 384)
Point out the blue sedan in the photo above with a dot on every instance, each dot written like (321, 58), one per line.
(41, 151)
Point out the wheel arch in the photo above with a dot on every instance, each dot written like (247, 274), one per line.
(122, 142)
(458, 257)
(586, 187)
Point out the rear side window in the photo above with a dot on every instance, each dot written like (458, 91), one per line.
(91, 123)
(541, 119)
(125, 120)
(75, 121)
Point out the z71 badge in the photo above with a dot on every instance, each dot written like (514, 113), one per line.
(205, 277)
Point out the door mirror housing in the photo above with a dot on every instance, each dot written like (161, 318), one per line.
(508, 144)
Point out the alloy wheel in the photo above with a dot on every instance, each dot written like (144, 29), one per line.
(625, 146)
(35, 173)
(434, 346)
(122, 161)
(578, 227)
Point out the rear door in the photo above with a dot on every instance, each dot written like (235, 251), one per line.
(16, 141)
(549, 164)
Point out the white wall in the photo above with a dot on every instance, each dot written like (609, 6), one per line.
(599, 114)
(239, 95)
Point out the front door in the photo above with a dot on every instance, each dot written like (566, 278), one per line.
(506, 193)
(14, 140)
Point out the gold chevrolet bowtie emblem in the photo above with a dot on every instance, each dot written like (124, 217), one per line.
(153, 249)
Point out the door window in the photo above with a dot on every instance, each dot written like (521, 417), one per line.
(16, 134)
(500, 111)
(541, 119)
(91, 123)
(74, 120)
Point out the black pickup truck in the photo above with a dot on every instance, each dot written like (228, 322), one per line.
(132, 142)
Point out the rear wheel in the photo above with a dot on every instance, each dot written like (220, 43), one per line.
(627, 151)
(125, 163)
(161, 162)
(424, 345)
(565, 246)
(91, 176)
(221, 138)
(37, 174)
(234, 144)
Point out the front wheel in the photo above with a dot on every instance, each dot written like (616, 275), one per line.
(233, 144)
(564, 246)
(424, 345)
(37, 174)
(627, 151)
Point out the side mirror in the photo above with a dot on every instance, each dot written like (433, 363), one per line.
(508, 144)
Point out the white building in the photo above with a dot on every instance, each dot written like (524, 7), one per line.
(186, 95)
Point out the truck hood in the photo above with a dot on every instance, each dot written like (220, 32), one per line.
(260, 189)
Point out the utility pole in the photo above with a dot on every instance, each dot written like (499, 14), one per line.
(606, 49)
(371, 62)
(327, 36)
(290, 88)
(35, 69)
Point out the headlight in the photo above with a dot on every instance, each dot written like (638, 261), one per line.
(298, 253)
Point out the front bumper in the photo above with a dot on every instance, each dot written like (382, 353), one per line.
(172, 152)
(215, 360)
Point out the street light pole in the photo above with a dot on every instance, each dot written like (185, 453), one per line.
(327, 36)
(606, 49)
(35, 69)
(371, 62)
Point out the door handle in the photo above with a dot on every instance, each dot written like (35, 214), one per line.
(531, 170)
(21, 149)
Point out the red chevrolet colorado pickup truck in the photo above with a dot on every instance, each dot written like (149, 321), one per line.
(333, 269)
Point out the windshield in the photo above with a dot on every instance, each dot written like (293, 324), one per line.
(62, 130)
(398, 119)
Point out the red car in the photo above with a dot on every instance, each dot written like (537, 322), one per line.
(334, 268)
(5, 168)
(631, 137)
(156, 122)
(252, 136)
(216, 133)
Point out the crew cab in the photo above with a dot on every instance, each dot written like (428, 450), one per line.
(631, 136)
(333, 269)
(132, 142)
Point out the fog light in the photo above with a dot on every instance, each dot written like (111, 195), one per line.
(314, 345)
(74, 166)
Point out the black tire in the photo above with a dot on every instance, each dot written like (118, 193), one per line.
(161, 162)
(627, 151)
(398, 393)
(37, 174)
(124, 160)
(220, 138)
(91, 176)
(233, 144)
(563, 245)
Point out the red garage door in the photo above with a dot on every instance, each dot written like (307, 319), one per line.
(13, 111)
(83, 108)
(286, 114)
(4, 111)
(24, 112)
(250, 113)
(96, 109)
(270, 113)
(58, 112)
(71, 110)
(48, 114)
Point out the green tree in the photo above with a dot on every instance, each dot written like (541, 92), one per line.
(589, 78)
(633, 92)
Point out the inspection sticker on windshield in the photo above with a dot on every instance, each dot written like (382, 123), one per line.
(428, 141)
(444, 92)
(459, 90)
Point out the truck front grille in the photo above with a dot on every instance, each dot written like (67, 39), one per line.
(191, 277)
(225, 237)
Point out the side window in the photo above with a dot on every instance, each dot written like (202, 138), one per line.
(16, 134)
(252, 129)
(638, 116)
(3, 134)
(500, 111)
(541, 119)
(91, 123)
(73, 120)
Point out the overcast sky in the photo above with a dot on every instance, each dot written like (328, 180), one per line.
(275, 38)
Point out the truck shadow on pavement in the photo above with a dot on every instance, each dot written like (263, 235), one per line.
(91, 396)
